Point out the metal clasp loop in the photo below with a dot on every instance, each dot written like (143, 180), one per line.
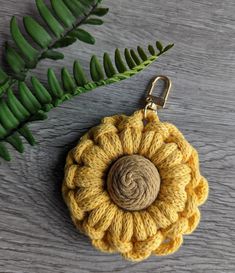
(155, 102)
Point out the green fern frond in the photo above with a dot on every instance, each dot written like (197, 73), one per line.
(35, 101)
(64, 19)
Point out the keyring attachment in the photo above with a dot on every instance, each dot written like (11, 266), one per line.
(155, 102)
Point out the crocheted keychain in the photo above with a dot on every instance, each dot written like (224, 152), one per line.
(133, 185)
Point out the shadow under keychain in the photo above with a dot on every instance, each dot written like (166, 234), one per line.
(133, 184)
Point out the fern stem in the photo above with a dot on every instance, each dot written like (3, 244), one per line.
(78, 23)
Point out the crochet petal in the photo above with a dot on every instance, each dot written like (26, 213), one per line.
(97, 213)
(175, 158)
(93, 233)
(178, 228)
(110, 143)
(159, 218)
(149, 224)
(170, 246)
(78, 151)
(115, 233)
(75, 211)
(202, 191)
(193, 221)
(87, 177)
(114, 120)
(70, 159)
(184, 147)
(99, 220)
(70, 173)
(146, 142)
(163, 153)
(173, 195)
(127, 141)
(168, 210)
(89, 200)
(191, 203)
(147, 246)
(143, 249)
(115, 228)
(193, 163)
(103, 129)
(106, 218)
(130, 134)
(136, 138)
(95, 157)
(177, 181)
(156, 144)
(177, 171)
(127, 227)
(140, 233)
(136, 256)
(158, 127)
(173, 130)
(103, 245)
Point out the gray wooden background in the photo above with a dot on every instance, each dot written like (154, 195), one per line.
(36, 234)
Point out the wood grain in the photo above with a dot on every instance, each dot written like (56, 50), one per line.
(36, 234)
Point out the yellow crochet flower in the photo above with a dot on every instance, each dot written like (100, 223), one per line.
(134, 186)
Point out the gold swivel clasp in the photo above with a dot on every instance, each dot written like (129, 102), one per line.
(155, 102)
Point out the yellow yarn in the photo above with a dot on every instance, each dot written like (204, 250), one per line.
(157, 229)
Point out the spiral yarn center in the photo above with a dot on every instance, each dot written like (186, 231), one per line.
(133, 182)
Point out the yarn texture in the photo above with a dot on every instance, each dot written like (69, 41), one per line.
(134, 186)
(133, 182)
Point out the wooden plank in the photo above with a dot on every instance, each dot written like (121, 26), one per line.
(36, 234)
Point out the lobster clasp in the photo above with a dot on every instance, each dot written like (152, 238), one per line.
(156, 102)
